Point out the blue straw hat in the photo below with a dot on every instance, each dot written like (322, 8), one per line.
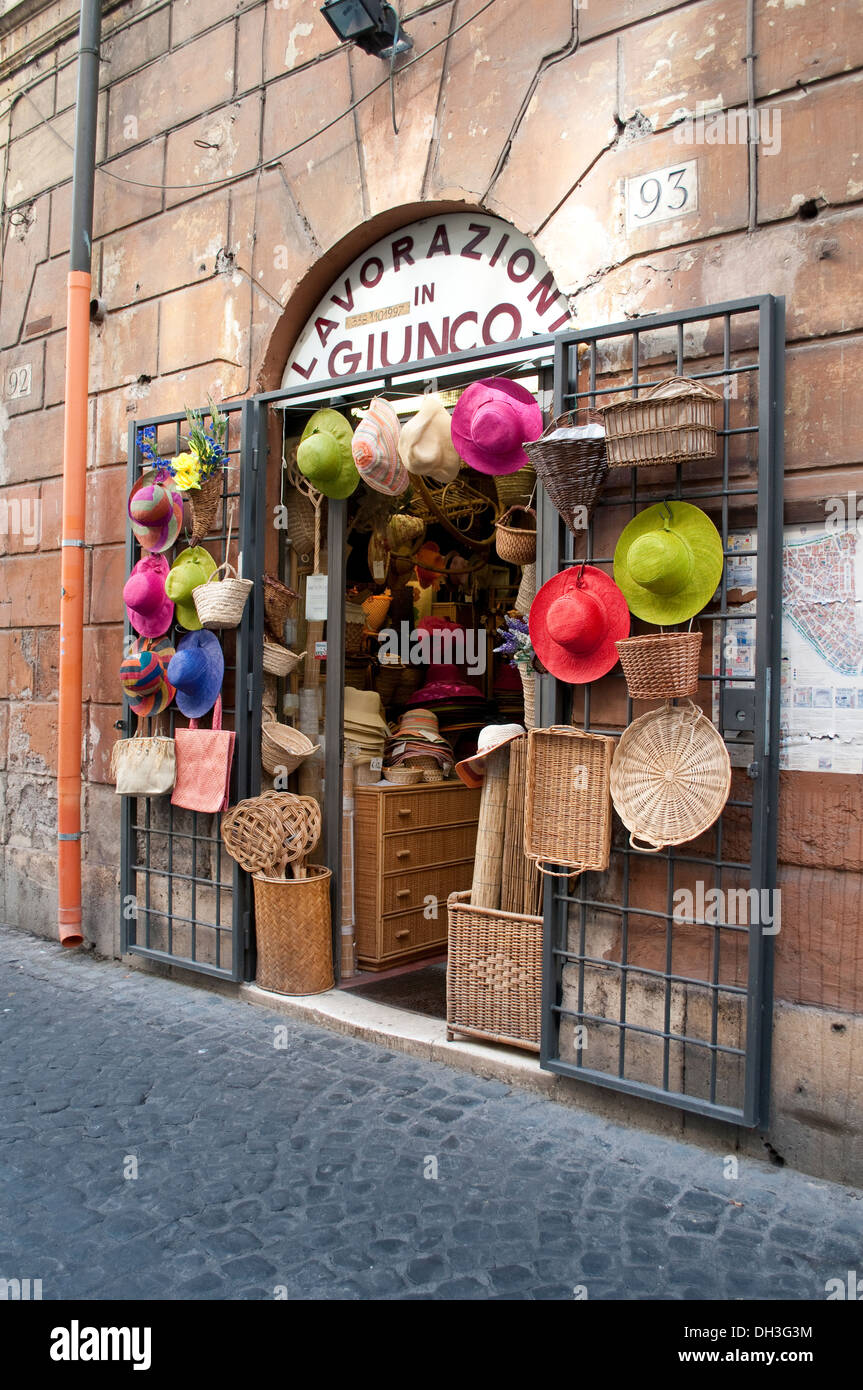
(197, 669)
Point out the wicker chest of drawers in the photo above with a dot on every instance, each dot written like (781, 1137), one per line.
(414, 846)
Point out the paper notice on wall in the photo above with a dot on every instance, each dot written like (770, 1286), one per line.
(316, 598)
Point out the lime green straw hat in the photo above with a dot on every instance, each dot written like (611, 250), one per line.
(191, 568)
(324, 454)
(668, 562)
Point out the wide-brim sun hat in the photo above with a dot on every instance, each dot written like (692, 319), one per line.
(420, 723)
(197, 669)
(190, 570)
(668, 562)
(143, 675)
(575, 621)
(425, 444)
(324, 455)
(375, 449)
(155, 509)
(491, 738)
(149, 609)
(492, 421)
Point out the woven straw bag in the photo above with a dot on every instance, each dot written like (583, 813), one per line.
(673, 422)
(660, 665)
(279, 660)
(219, 603)
(204, 760)
(572, 472)
(670, 777)
(567, 801)
(515, 536)
(143, 766)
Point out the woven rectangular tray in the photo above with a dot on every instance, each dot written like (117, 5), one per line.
(568, 799)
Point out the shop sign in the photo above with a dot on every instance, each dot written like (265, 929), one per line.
(447, 284)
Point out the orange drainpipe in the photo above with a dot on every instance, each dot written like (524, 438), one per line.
(70, 716)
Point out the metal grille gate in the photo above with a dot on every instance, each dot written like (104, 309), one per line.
(633, 998)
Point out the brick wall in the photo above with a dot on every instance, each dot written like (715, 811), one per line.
(539, 122)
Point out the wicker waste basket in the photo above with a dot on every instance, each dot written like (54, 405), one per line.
(494, 974)
(294, 932)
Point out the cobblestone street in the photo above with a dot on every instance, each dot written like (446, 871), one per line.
(310, 1167)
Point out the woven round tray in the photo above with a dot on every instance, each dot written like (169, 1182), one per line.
(279, 660)
(670, 776)
(403, 776)
(283, 748)
(660, 665)
(219, 603)
(515, 536)
(266, 833)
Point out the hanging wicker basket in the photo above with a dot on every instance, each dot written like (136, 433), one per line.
(567, 801)
(301, 526)
(515, 536)
(279, 603)
(660, 665)
(219, 603)
(515, 489)
(283, 748)
(670, 777)
(494, 974)
(293, 932)
(674, 422)
(572, 471)
(376, 608)
(279, 660)
(203, 505)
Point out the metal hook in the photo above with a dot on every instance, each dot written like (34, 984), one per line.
(579, 578)
(666, 502)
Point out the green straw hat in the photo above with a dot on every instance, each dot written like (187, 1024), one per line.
(324, 454)
(668, 562)
(191, 568)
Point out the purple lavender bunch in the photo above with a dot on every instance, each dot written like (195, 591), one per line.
(516, 645)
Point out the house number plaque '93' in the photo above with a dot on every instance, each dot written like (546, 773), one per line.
(662, 196)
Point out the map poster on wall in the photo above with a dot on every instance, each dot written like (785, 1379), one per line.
(821, 698)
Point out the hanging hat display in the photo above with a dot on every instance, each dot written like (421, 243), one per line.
(143, 675)
(668, 562)
(375, 449)
(574, 622)
(426, 444)
(491, 738)
(197, 669)
(155, 511)
(191, 568)
(492, 421)
(149, 609)
(324, 454)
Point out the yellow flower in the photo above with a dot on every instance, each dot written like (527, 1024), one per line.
(187, 471)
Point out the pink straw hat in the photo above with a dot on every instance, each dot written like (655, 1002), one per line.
(148, 608)
(491, 421)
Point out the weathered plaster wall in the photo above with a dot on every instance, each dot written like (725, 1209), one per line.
(536, 112)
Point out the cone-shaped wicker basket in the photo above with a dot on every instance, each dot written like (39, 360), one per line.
(203, 505)
(670, 776)
(572, 471)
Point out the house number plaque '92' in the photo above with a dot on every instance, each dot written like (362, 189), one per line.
(19, 381)
(662, 196)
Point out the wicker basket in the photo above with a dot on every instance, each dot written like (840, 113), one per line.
(301, 526)
(266, 833)
(220, 604)
(572, 472)
(403, 776)
(515, 489)
(283, 748)
(515, 536)
(528, 685)
(670, 777)
(293, 931)
(660, 665)
(674, 422)
(279, 601)
(355, 639)
(203, 505)
(376, 608)
(494, 974)
(430, 768)
(567, 801)
(279, 660)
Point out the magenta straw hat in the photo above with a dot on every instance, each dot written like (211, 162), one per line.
(155, 511)
(491, 421)
(148, 608)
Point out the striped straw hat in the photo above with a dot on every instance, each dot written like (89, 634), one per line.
(155, 511)
(142, 675)
(420, 723)
(375, 449)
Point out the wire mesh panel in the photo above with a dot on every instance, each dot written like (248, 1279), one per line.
(657, 978)
(184, 899)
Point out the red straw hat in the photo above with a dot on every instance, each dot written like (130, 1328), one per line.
(491, 421)
(574, 622)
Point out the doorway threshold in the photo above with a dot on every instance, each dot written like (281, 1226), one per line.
(345, 1012)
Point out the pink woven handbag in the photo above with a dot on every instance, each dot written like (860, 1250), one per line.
(204, 758)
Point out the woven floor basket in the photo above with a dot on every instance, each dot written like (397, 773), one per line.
(494, 974)
(567, 801)
(293, 932)
(266, 833)
(660, 665)
(670, 777)
(283, 748)
(572, 472)
(279, 603)
(220, 602)
(203, 504)
(515, 536)
(279, 660)
(674, 422)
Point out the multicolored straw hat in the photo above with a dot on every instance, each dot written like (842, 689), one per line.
(143, 675)
(191, 568)
(375, 447)
(197, 669)
(420, 723)
(574, 622)
(426, 445)
(668, 562)
(491, 421)
(491, 738)
(149, 609)
(324, 454)
(155, 511)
